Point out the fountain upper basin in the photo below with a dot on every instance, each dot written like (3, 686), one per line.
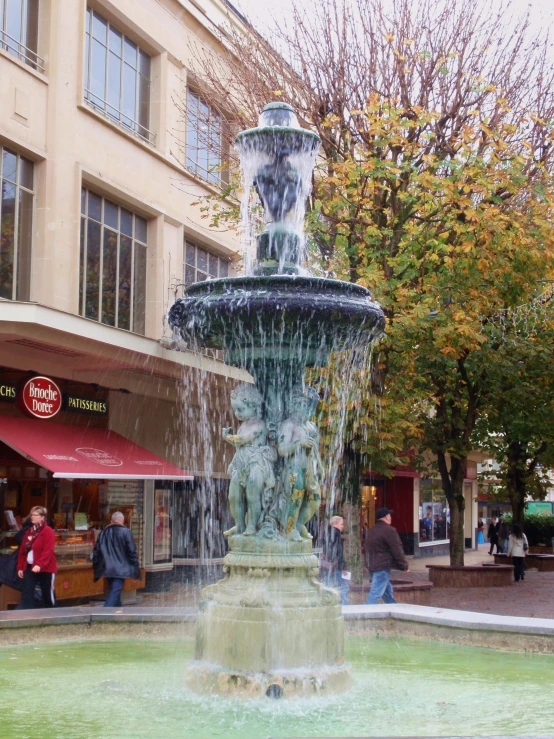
(309, 315)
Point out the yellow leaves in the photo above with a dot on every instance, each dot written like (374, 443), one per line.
(389, 37)
(277, 93)
(448, 351)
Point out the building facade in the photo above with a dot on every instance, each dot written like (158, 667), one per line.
(106, 146)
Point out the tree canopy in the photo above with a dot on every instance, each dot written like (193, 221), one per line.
(434, 189)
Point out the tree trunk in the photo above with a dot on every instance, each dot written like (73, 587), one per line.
(351, 513)
(516, 481)
(453, 486)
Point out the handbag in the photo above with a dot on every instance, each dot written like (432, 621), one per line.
(525, 543)
(8, 571)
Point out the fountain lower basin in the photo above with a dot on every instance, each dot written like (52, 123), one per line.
(131, 687)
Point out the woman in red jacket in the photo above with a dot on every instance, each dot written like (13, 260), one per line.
(36, 562)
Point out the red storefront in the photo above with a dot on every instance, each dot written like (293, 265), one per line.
(58, 451)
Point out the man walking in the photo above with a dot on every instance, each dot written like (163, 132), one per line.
(115, 558)
(332, 564)
(383, 552)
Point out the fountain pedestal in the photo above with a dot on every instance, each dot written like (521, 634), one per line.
(269, 625)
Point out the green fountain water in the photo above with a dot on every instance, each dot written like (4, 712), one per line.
(402, 687)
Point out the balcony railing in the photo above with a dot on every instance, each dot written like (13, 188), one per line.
(119, 118)
(20, 51)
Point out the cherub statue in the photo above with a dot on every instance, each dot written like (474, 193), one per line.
(298, 444)
(251, 470)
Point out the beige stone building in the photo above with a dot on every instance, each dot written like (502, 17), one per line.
(105, 147)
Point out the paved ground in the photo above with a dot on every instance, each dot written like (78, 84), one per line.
(534, 597)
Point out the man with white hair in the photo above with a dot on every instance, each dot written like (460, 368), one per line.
(115, 558)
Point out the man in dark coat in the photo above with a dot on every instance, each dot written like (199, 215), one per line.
(332, 564)
(115, 558)
(383, 552)
(493, 531)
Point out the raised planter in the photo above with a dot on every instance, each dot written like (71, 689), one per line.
(541, 562)
(471, 576)
(541, 550)
(418, 594)
(405, 591)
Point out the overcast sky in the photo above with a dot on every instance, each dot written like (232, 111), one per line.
(262, 13)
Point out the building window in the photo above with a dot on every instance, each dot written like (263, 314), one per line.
(204, 140)
(16, 225)
(112, 285)
(434, 514)
(19, 31)
(117, 77)
(201, 264)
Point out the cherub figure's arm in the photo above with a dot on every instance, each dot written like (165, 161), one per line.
(287, 445)
(246, 434)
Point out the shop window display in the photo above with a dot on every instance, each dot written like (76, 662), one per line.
(163, 497)
(434, 513)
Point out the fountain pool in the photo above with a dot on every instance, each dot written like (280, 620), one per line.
(403, 687)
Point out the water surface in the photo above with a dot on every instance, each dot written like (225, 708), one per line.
(403, 687)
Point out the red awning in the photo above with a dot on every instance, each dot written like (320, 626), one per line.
(86, 453)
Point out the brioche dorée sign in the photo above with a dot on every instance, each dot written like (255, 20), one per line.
(41, 397)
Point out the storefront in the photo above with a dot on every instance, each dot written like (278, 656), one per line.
(421, 511)
(57, 451)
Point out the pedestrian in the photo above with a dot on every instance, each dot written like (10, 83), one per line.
(492, 535)
(504, 535)
(115, 558)
(332, 565)
(480, 532)
(36, 561)
(517, 549)
(383, 552)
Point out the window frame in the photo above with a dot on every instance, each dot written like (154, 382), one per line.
(187, 243)
(16, 47)
(83, 260)
(16, 227)
(430, 490)
(218, 174)
(107, 109)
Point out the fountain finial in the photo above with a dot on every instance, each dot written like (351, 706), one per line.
(281, 155)
(278, 115)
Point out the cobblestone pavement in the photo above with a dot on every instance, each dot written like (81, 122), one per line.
(534, 597)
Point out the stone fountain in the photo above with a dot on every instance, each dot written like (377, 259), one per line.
(270, 627)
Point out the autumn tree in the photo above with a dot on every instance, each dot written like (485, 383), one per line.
(517, 428)
(434, 189)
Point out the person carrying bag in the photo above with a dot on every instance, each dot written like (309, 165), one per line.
(517, 548)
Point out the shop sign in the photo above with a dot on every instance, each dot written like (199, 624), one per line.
(8, 393)
(543, 507)
(470, 470)
(41, 397)
(76, 404)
